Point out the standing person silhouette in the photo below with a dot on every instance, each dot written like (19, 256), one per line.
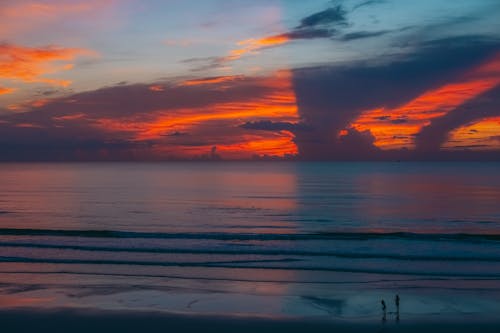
(384, 309)
(397, 308)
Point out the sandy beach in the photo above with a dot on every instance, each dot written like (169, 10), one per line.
(84, 320)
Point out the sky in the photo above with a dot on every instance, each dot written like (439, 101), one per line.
(249, 79)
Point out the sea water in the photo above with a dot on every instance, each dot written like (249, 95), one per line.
(283, 238)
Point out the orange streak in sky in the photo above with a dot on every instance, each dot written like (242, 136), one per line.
(29, 64)
(39, 103)
(156, 87)
(211, 80)
(253, 45)
(70, 117)
(5, 91)
(278, 105)
(28, 125)
(395, 128)
(274, 146)
(480, 135)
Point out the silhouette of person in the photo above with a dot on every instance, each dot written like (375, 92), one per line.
(384, 309)
(397, 308)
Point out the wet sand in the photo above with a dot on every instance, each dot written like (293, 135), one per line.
(84, 320)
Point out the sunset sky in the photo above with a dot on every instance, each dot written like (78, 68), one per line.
(237, 79)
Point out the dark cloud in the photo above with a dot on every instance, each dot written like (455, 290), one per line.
(330, 98)
(435, 134)
(137, 99)
(322, 24)
(363, 35)
(309, 33)
(401, 120)
(267, 125)
(356, 145)
(48, 92)
(51, 143)
(177, 133)
(331, 16)
(70, 127)
(368, 3)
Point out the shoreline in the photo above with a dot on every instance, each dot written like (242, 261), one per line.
(94, 320)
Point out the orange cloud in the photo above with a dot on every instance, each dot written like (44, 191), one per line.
(30, 64)
(27, 125)
(5, 91)
(211, 80)
(480, 135)
(396, 128)
(280, 145)
(156, 87)
(39, 103)
(69, 117)
(254, 45)
(278, 105)
(274, 145)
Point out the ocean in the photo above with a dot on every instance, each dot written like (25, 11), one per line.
(267, 239)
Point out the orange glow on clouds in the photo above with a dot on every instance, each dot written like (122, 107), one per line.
(274, 145)
(279, 105)
(156, 88)
(31, 64)
(28, 125)
(5, 91)
(269, 146)
(395, 128)
(39, 103)
(69, 117)
(480, 135)
(211, 80)
(253, 45)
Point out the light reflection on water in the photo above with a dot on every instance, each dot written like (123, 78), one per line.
(209, 202)
(261, 197)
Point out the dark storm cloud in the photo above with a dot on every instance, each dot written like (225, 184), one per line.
(335, 15)
(435, 134)
(329, 98)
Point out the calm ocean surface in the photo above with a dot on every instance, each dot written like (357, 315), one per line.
(260, 238)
